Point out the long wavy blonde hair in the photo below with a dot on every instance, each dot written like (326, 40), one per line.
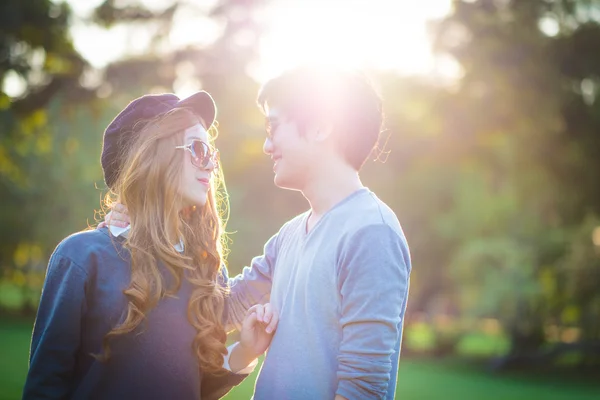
(148, 186)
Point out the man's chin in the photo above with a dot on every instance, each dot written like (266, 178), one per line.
(283, 183)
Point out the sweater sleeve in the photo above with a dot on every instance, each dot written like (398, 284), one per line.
(216, 386)
(252, 286)
(373, 283)
(56, 333)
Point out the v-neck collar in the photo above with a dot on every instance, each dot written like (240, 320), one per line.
(306, 233)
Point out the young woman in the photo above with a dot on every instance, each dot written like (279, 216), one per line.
(138, 313)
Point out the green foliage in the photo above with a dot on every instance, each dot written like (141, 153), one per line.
(516, 171)
(49, 191)
(36, 47)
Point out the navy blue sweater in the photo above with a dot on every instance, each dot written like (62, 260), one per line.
(81, 301)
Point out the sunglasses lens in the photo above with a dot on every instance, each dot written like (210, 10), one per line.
(199, 153)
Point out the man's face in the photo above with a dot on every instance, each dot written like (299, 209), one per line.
(290, 151)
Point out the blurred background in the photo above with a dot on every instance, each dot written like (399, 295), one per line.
(491, 161)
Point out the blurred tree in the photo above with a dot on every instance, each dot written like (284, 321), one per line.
(524, 128)
(36, 51)
(47, 193)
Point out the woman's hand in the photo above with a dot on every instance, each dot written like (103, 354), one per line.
(256, 334)
(118, 217)
(258, 328)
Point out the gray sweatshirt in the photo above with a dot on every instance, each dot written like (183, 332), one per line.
(341, 293)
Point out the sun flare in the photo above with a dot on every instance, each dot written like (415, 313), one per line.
(378, 34)
(371, 34)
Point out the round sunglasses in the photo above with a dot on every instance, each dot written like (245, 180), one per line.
(201, 153)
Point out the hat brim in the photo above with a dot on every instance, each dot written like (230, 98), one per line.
(203, 105)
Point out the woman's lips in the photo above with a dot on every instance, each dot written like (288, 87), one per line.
(204, 181)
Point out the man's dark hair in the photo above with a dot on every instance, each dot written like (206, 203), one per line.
(311, 95)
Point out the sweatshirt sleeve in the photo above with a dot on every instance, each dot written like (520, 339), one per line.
(252, 286)
(57, 329)
(373, 282)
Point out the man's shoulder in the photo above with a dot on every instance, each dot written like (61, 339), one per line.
(367, 212)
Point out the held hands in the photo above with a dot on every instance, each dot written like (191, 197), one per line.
(118, 217)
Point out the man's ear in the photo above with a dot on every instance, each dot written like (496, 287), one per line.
(323, 132)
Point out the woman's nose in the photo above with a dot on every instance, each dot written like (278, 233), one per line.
(268, 146)
(213, 161)
(211, 165)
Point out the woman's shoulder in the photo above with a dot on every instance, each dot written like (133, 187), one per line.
(88, 245)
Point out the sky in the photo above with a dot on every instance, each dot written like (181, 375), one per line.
(379, 34)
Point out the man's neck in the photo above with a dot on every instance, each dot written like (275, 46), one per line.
(331, 186)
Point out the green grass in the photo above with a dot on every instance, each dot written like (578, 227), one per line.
(418, 379)
(14, 354)
(451, 379)
(447, 379)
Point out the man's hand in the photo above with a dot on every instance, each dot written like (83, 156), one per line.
(118, 217)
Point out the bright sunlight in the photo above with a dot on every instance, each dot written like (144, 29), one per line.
(378, 34)
(374, 34)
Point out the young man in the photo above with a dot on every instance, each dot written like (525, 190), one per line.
(337, 274)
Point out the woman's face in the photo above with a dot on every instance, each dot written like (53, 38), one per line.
(195, 179)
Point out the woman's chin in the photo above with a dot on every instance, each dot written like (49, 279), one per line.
(196, 202)
(200, 202)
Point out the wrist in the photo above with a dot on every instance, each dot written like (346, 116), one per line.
(247, 350)
(241, 357)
